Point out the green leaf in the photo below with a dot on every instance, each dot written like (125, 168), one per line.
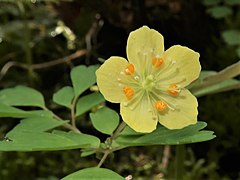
(85, 140)
(39, 141)
(64, 96)
(127, 131)
(164, 136)
(36, 124)
(82, 78)
(219, 12)
(94, 174)
(231, 37)
(226, 85)
(105, 120)
(87, 152)
(21, 96)
(87, 102)
(8, 111)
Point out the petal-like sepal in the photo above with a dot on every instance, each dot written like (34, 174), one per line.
(139, 118)
(108, 76)
(185, 112)
(144, 41)
(182, 66)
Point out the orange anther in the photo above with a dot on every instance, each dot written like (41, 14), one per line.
(160, 105)
(157, 62)
(173, 90)
(129, 69)
(129, 92)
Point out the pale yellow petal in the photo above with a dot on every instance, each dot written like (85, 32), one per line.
(142, 44)
(185, 113)
(107, 78)
(139, 118)
(182, 66)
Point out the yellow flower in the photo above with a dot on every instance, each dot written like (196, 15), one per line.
(150, 86)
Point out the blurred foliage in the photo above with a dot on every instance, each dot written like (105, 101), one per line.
(35, 31)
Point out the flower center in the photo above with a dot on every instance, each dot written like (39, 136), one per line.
(148, 84)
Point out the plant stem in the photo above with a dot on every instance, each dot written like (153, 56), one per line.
(68, 126)
(113, 136)
(107, 152)
(73, 114)
(118, 130)
(180, 157)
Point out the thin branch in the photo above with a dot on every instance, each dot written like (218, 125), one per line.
(107, 152)
(66, 59)
(114, 136)
(68, 126)
(73, 114)
(166, 156)
(227, 73)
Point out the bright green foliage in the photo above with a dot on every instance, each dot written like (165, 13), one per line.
(220, 11)
(87, 102)
(94, 174)
(36, 124)
(82, 78)
(21, 96)
(105, 120)
(163, 136)
(87, 152)
(39, 141)
(85, 140)
(8, 111)
(231, 37)
(64, 96)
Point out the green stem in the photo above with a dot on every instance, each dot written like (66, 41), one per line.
(114, 136)
(73, 113)
(107, 152)
(180, 157)
(68, 126)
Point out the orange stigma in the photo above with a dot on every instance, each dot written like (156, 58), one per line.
(128, 91)
(129, 69)
(173, 90)
(160, 105)
(157, 62)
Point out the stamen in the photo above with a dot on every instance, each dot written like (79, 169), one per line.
(160, 105)
(136, 78)
(129, 69)
(157, 62)
(128, 91)
(173, 90)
